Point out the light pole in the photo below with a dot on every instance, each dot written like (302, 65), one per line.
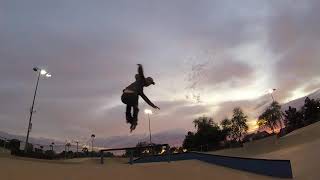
(41, 72)
(51, 145)
(92, 138)
(148, 112)
(270, 91)
(77, 147)
(65, 150)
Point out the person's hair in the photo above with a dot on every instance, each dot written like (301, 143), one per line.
(149, 80)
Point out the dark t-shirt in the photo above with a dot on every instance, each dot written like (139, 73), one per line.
(138, 85)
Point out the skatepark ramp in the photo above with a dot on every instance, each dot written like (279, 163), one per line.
(268, 167)
(274, 168)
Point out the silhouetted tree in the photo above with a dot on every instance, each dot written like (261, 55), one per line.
(208, 135)
(293, 119)
(226, 125)
(85, 150)
(14, 146)
(188, 142)
(203, 123)
(239, 125)
(311, 110)
(271, 117)
(49, 154)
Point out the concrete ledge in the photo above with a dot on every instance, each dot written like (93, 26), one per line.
(274, 168)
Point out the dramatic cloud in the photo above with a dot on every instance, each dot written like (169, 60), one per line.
(206, 57)
(224, 72)
(292, 31)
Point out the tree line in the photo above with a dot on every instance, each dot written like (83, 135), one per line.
(291, 118)
(210, 135)
(14, 146)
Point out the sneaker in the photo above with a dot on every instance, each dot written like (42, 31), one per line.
(133, 127)
(129, 118)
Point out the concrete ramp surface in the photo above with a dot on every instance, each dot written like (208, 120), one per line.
(274, 168)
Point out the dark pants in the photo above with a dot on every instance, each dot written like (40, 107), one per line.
(131, 100)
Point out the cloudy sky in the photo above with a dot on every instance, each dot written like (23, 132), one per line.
(206, 57)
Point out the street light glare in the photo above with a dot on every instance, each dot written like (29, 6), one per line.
(48, 75)
(147, 111)
(271, 90)
(43, 72)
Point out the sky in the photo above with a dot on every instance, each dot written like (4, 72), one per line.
(206, 57)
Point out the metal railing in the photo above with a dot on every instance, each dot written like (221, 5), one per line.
(132, 149)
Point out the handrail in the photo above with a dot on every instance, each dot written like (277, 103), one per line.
(133, 148)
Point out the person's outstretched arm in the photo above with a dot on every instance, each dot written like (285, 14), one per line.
(145, 98)
(140, 71)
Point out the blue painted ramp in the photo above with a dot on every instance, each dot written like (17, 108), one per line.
(274, 168)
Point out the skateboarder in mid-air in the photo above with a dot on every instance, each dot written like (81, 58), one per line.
(131, 95)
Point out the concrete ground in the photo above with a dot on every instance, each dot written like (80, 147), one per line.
(22, 168)
(301, 147)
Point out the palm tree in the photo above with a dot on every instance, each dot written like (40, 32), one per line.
(271, 117)
(85, 150)
(92, 139)
(68, 146)
(51, 146)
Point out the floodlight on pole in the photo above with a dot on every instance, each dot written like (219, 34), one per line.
(77, 142)
(270, 91)
(148, 112)
(92, 139)
(41, 72)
